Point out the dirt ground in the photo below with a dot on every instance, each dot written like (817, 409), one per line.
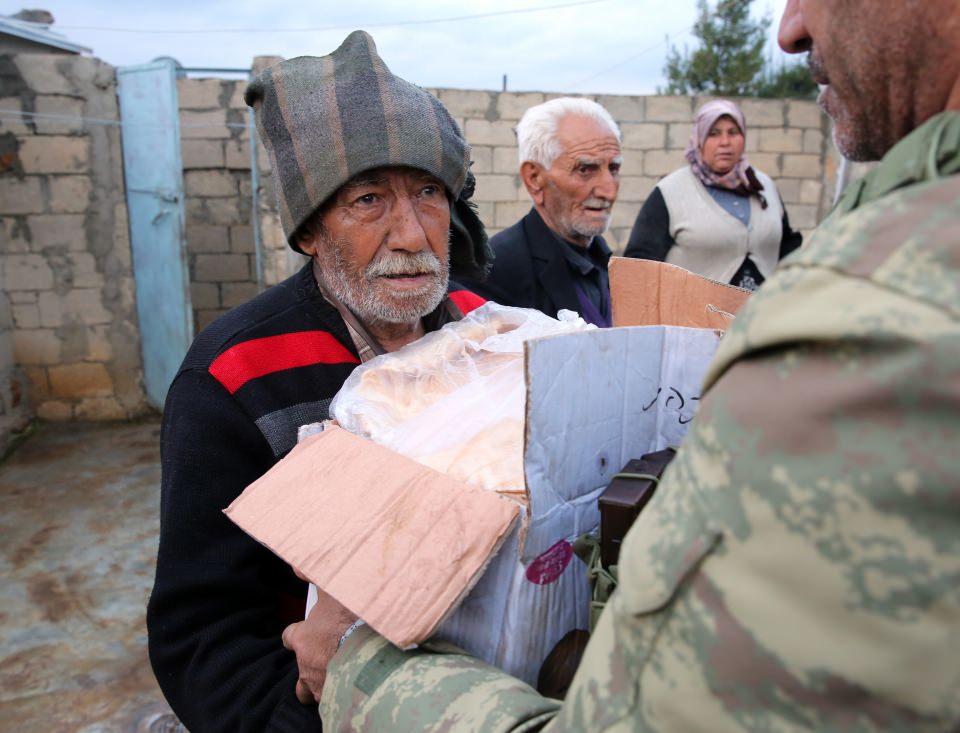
(78, 539)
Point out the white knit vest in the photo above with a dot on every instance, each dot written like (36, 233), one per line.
(712, 242)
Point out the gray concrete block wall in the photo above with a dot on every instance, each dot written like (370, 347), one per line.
(65, 263)
(215, 147)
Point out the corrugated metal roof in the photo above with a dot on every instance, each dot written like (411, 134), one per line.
(38, 33)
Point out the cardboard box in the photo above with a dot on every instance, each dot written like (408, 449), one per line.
(407, 554)
(649, 293)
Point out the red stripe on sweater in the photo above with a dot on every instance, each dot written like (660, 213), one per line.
(256, 358)
(466, 301)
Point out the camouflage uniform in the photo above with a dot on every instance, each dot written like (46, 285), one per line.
(799, 567)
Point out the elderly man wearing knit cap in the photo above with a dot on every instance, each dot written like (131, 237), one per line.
(372, 178)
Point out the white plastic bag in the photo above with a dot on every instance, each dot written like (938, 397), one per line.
(454, 400)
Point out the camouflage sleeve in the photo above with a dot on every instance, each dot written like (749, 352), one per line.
(798, 569)
(373, 687)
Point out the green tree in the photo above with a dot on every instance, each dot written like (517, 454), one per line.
(787, 80)
(729, 61)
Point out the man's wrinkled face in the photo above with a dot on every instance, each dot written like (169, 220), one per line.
(384, 245)
(581, 185)
(883, 67)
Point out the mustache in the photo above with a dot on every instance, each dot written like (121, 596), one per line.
(597, 203)
(420, 263)
(816, 67)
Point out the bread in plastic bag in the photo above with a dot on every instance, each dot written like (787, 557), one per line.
(455, 399)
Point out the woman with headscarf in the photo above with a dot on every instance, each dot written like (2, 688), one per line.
(718, 216)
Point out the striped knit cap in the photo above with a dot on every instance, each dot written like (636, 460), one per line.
(326, 119)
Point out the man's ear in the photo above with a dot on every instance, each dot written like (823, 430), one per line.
(532, 175)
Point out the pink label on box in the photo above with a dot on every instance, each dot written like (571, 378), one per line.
(550, 565)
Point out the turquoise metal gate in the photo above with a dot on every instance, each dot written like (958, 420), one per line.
(154, 181)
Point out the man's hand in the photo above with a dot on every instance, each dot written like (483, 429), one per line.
(314, 641)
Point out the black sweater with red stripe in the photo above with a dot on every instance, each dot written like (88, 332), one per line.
(221, 600)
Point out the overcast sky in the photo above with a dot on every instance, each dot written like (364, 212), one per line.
(612, 46)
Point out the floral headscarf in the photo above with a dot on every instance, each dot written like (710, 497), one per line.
(740, 179)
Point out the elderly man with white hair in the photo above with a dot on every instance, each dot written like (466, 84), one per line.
(554, 257)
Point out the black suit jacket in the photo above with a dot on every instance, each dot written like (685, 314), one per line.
(529, 269)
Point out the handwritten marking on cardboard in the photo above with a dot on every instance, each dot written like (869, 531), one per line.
(549, 566)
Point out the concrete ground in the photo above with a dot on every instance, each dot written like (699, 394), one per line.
(78, 540)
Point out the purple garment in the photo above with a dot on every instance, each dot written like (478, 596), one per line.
(590, 312)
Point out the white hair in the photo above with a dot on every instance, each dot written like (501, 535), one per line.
(537, 129)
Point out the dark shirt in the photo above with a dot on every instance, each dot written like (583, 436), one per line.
(588, 268)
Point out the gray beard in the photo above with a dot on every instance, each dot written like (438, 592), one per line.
(357, 290)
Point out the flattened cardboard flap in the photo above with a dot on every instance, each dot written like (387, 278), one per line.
(394, 541)
(649, 293)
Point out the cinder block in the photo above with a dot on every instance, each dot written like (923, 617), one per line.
(238, 155)
(204, 296)
(780, 140)
(55, 154)
(763, 113)
(212, 124)
(678, 135)
(221, 268)
(100, 408)
(85, 305)
(506, 160)
(803, 216)
(63, 107)
(222, 211)
(812, 141)
(55, 411)
(39, 384)
(202, 153)
(13, 124)
(512, 105)
(69, 194)
(661, 162)
(233, 294)
(21, 196)
(199, 93)
(805, 114)
(789, 189)
(50, 309)
(210, 183)
(23, 296)
(635, 188)
(206, 317)
(482, 132)
(802, 166)
(466, 103)
(622, 217)
(34, 347)
(207, 238)
(83, 270)
(496, 188)
(486, 211)
(481, 157)
(623, 108)
(26, 315)
(643, 136)
(811, 191)
(25, 272)
(241, 239)
(58, 231)
(99, 346)
(769, 163)
(509, 213)
(669, 109)
(237, 89)
(74, 381)
(41, 74)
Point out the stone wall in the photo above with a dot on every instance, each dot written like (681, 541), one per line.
(15, 412)
(64, 243)
(215, 147)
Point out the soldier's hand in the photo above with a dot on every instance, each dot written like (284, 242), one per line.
(314, 641)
